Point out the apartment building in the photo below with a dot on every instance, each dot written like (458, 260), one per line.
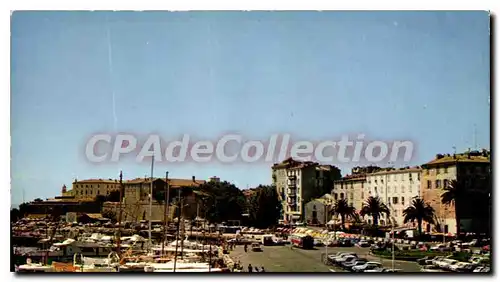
(352, 186)
(88, 189)
(396, 188)
(298, 182)
(437, 174)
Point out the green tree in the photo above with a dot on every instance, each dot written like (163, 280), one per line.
(226, 201)
(37, 200)
(265, 207)
(374, 207)
(14, 215)
(342, 208)
(419, 211)
(114, 196)
(23, 209)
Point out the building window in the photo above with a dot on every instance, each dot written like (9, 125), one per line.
(395, 200)
(445, 183)
(81, 192)
(446, 170)
(341, 195)
(352, 196)
(86, 192)
(352, 185)
(90, 192)
(86, 186)
(402, 200)
(410, 177)
(402, 189)
(382, 180)
(438, 183)
(429, 184)
(98, 192)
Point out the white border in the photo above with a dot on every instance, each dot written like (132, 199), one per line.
(182, 5)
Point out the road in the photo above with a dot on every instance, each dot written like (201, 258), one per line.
(286, 259)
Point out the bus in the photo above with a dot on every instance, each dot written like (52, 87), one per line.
(302, 241)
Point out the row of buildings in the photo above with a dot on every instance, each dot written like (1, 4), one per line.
(395, 187)
(81, 198)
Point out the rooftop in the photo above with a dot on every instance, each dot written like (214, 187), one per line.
(398, 170)
(173, 182)
(467, 157)
(291, 163)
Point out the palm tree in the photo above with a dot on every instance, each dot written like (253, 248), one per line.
(419, 211)
(344, 210)
(374, 207)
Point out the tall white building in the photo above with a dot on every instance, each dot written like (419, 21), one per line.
(396, 188)
(298, 182)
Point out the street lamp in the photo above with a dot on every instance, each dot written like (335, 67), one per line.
(392, 231)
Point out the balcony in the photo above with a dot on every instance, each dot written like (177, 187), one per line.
(292, 176)
(292, 184)
(292, 194)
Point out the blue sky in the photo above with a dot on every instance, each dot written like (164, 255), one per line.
(422, 76)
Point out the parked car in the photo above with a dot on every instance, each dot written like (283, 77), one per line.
(318, 243)
(393, 270)
(345, 243)
(357, 261)
(446, 263)
(344, 258)
(367, 266)
(431, 268)
(347, 258)
(440, 248)
(423, 261)
(462, 267)
(482, 269)
(256, 247)
(479, 260)
(342, 255)
(363, 244)
(436, 259)
(378, 269)
(472, 243)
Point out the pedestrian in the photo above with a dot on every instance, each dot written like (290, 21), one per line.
(262, 269)
(250, 268)
(256, 269)
(246, 248)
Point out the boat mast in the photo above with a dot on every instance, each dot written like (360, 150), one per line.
(165, 212)
(179, 203)
(151, 202)
(118, 240)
